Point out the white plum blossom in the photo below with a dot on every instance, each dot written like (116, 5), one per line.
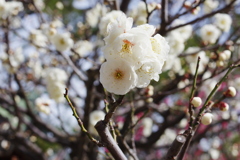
(131, 46)
(117, 27)
(133, 56)
(43, 105)
(10, 8)
(105, 20)
(148, 71)
(185, 31)
(93, 15)
(12, 61)
(176, 43)
(173, 63)
(38, 38)
(193, 58)
(56, 78)
(160, 47)
(62, 41)
(209, 33)
(147, 123)
(94, 117)
(223, 21)
(39, 4)
(118, 76)
(139, 13)
(56, 91)
(83, 48)
(210, 5)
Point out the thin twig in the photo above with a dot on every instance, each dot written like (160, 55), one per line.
(80, 123)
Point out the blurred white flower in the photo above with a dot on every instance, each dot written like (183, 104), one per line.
(10, 8)
(59, 5)
(12, 61)
(93, 15)
(43, 105)
(83, 48)
(209, 33)
(56, 90)
(139, 13)
(62, 41)
(117, 76)
(94, 117)
(223, 21)
(176, 43)
(210, 5)
(55, 74)
(147, 126)
(38, 38)
(185, 31)
(14, 7)
(39, 4)
(36, 66)
(193, 58)
(56, 79)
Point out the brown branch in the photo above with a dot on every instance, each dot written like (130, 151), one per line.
(108, 141)
(203, 17)
(175, 147)
(112, 107)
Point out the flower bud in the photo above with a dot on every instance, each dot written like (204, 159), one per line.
(223, 106)
(220, 63)
(207, 118)
(187, 4)
(222, 57)
(196, 101)
(231, 92)
(227, 53)
(196, 10)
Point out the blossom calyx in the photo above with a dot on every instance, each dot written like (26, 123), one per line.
(196, 101)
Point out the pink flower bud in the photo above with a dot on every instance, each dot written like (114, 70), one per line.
(223, 106)
(196, 101)
(207, 118)
(231, 92)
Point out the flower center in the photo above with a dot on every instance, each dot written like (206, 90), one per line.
(118, 74)
(209, 33)
(127, 46)
(62, 41)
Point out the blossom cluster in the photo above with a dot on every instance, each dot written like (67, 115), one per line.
(133, 56)
(211, 32)
(10, 8)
